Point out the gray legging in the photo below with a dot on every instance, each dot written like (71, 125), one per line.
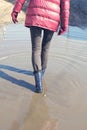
(40, 47)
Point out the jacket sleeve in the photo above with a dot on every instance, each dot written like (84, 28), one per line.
(64, 13)
(18, 5)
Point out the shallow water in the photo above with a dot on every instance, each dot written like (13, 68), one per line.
(65, 83)
(19, 32)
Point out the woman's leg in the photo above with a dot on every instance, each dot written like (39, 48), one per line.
(36, 57)
(47, 36)
(36, 47)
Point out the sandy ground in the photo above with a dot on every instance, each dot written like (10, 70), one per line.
(65, 84)
(5, 13)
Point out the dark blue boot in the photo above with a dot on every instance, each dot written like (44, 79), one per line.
(43, 71)
(38, 81)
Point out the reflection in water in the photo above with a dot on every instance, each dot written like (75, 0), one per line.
(76, 33)
(19, 32)
(2, 32)
(38, 116)
(15, 126)
(65, 79)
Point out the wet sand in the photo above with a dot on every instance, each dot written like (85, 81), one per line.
(65, 84)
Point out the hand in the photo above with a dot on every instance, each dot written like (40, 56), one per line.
(14, 16)
(62, 30)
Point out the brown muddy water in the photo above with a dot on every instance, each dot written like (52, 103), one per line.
(63, 104)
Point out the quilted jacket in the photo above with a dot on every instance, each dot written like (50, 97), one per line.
(45, 13)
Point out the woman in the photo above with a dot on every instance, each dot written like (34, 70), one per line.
(46, 15)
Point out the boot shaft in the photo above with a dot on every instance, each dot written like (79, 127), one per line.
(38, 81)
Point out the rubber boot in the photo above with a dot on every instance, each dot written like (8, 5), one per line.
(43, 71)
(38, 81)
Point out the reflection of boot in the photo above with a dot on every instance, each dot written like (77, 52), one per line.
(38, 81)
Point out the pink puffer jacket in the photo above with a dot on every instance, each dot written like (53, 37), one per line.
(45, 13)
